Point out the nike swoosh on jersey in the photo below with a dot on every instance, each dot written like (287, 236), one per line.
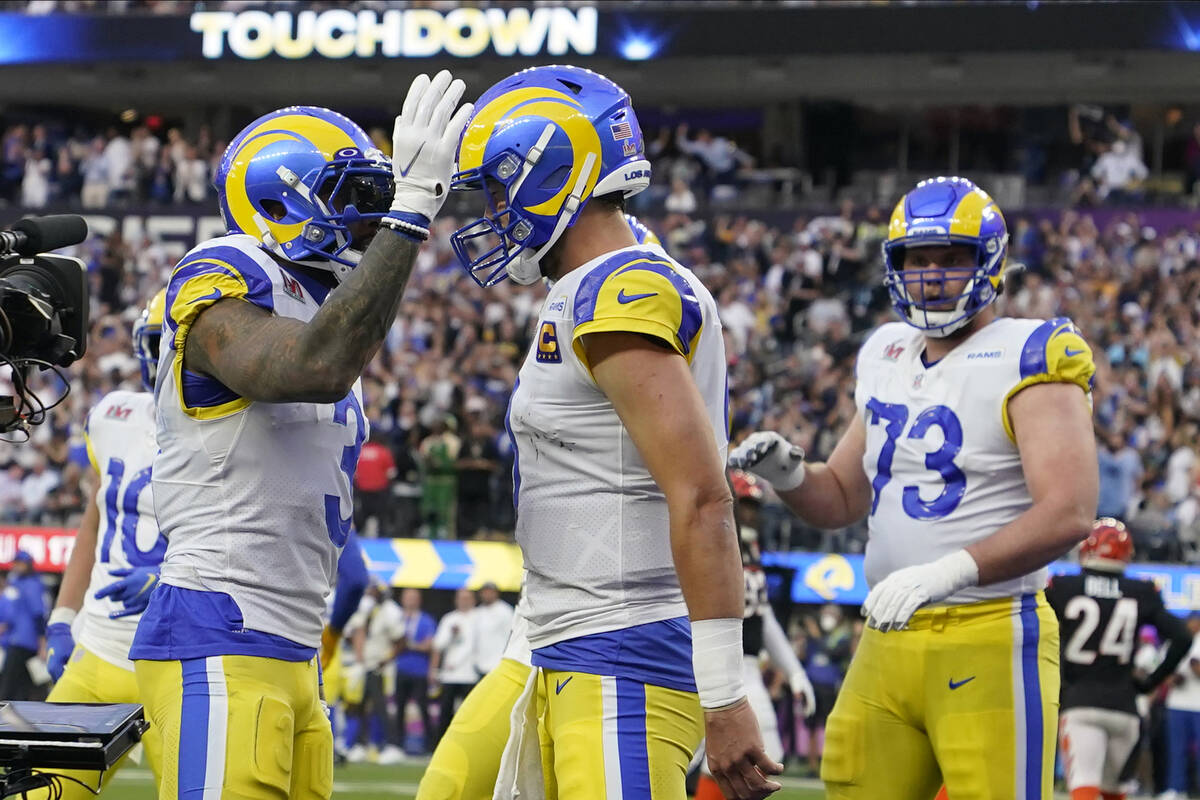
(215, 294)
(1069, 352)
(558, 686)
(629, 298)
(955, 684)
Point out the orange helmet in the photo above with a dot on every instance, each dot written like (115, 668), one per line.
(746, 486)
(1109, 547)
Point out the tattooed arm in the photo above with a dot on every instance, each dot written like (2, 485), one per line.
(283, 360)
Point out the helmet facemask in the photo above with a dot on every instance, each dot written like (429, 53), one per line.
(944, 314)
(504, 243)
(350, 197)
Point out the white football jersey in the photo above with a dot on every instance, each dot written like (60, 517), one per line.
(591, 522)
(121, 446)
(940, 455)
(254, 497)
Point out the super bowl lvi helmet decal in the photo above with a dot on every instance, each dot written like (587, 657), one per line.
(539, 146)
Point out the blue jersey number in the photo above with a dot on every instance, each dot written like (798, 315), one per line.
(894, 418)
(124, 504)
(339, 528)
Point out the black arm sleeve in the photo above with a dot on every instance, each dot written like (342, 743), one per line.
(1172, 629)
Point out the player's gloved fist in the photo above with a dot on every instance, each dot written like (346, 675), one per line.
(132, 588)
(772, 458)
(802, 690)
(59, 644)
(893, 601)
(424, 142)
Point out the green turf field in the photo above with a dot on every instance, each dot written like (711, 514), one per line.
(371, 782)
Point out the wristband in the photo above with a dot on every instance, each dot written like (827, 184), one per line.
(717, 661)
(62, 614)
(413, 225)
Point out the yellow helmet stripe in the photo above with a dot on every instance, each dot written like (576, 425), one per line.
(475, 140)
(240, 205)
(323, 134)
(968, 215)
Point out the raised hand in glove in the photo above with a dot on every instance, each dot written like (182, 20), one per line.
(424, 142)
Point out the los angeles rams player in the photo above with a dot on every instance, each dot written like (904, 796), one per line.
(466, 761)
(260, 424)
(618, 421)
(95, 617)
(973, 459)
(1101, 611)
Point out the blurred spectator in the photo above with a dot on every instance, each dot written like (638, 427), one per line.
(24, 619)
(453, 669)
(412, 665)
(376, 631)
(439, 478)
(478, 461)
(493, 619)
(719, 157)
(1153, 528)
(97, 176)
(1119, 173)
(373, 488)
(36, 488)
(1120, 472)
(12, 499)
(680, 200)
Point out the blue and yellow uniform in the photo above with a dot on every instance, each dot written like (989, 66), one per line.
(121, 446)
(255, 500)
(969, 691)
(607, 622)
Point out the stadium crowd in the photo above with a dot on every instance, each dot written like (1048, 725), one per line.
(797, 294)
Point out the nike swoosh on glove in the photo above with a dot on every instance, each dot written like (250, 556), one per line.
(424, 143)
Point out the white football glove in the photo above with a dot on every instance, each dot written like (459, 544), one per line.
(893, 601)
(802, 690)
(424, 143)
(772, 458)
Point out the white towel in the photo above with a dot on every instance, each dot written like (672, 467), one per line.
(521, 765)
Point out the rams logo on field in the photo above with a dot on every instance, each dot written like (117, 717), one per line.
(547, 344)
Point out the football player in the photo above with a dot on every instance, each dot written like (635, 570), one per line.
(619, 428)
(95, 616)
(466, 761)
(260, 424)
(760, 630)
(1101, 611)
(972, 458)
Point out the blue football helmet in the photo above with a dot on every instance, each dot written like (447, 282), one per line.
(297, 179)
(147, 336)
(540, 144)
(945, 211)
